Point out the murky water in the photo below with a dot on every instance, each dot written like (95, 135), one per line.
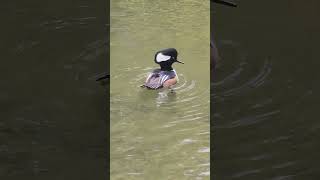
(264, 95)
(53, 113)
(158, 134)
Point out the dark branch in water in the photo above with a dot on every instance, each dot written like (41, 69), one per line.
(228, 3)
(103, 76)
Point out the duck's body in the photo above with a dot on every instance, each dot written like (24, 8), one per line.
(158, 79)
(165, 76)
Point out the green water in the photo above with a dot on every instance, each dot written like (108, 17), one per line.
(158, 134)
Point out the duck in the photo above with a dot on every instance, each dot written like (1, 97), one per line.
(165, 76)
(171, 81)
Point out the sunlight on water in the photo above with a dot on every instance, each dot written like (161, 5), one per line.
(159, 134)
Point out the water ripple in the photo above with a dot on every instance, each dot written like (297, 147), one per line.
(184, 132)
(233, 78)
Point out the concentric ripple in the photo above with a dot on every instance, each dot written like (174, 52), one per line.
(246, 109)
(246, 75)
(239, 76)
(185, 93)
(170, 125)
(233, 84)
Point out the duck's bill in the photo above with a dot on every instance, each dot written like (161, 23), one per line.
(179, 62)
(228, 3)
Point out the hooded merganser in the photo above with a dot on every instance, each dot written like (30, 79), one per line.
(166, 76)
(214, 52)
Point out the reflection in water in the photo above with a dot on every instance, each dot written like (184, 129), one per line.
(263, 102)
(159, 134)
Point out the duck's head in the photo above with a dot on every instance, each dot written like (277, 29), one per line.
(166, 57)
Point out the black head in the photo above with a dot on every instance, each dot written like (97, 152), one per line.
(166, 57)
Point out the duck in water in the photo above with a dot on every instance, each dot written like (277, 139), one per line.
(165, 76)
(171, 81)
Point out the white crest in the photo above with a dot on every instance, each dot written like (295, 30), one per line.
(160, 57)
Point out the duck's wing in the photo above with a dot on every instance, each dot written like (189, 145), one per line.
(156, 79)
(154, 83)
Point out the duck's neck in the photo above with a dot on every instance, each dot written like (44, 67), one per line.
(166, 68)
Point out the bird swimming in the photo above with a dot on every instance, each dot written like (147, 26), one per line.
(213, 51)
(165, 76)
